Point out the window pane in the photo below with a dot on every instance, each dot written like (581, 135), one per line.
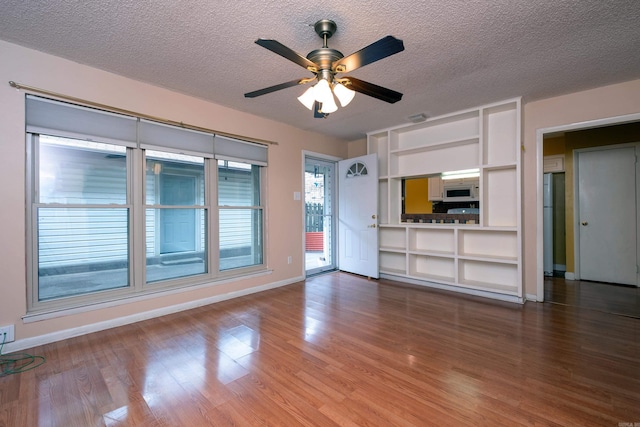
(81, 250)
(81, 172)
(175, 243)
(174, 179)
(240, 238)
(238, 184)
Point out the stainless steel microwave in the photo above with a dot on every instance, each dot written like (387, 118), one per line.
(467, 192)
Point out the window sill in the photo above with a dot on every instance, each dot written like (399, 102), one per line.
(37, 316)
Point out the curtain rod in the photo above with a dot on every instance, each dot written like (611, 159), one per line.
(27, 88)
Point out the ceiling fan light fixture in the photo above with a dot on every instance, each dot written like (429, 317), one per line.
(322, 92)
(308, 98)
(344, 94)
(329, 105)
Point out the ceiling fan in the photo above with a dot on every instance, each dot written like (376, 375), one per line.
(325, 63)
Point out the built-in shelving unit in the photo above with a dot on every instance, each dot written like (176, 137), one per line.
(484, 258)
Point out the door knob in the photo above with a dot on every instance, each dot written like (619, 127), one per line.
(373, 216)
(584, 223)
(371, 226)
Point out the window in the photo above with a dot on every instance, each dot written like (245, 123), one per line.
(121, 206)
(240, 215)
(81, 217)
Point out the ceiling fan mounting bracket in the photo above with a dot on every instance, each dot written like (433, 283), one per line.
(325, 28)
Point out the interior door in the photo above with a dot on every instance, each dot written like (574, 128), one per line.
(357, 215)
(607, 215)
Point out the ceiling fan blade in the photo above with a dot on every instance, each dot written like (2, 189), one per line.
(291, 55)
(275, 88)
(376, 51)
(375, 91)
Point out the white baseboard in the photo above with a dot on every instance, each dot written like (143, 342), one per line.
(31, 342)
(532, 297)
(569, 276)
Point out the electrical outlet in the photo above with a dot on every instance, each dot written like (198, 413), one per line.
(289, 259)
(10, 333)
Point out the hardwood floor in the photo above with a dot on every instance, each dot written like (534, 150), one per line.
(341, 350)
(606, 297)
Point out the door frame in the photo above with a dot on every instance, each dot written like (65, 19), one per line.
(540, 133)
(300, 196)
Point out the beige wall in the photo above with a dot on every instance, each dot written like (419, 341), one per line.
(600, 103)
(284, 214)
(357, 148)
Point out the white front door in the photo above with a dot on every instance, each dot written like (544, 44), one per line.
(607, 215)
(358, 215)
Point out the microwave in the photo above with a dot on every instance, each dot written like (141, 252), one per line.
(467, 192)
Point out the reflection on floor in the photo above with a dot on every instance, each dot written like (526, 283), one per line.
(605, 297)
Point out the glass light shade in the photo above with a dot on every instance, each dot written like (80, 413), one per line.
(322, 92)
(329, 106)
(308, 98)
(344, 94)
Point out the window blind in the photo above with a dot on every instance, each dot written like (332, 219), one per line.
(73, 121)
(187, 141)
(240, 151)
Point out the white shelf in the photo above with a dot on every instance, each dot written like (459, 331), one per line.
(500, 166)
(486, 256)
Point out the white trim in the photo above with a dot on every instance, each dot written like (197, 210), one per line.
(133, 318)
(129, 298)
(458, 289)
(532, 297)
(305, 154)
(628, 118)
(569, 276)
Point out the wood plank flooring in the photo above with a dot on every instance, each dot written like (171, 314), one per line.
(609, 298)
(341, 350)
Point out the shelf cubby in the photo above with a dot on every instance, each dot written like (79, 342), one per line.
(498, 277)
(500, 190)
(393, 238)
(436, 159)
(392, 262)
(489, 244)
(432, 267)
(379, 144)
(433, 240)
(500, 129)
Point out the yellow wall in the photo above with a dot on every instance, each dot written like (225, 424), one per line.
(416, 196)
(554, 146)
(284, 177)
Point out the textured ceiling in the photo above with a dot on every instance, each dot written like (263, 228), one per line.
(458, 53)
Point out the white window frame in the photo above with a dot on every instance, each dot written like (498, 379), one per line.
(136, 203)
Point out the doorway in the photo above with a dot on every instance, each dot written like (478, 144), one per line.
(320, 215)
(565, 141)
